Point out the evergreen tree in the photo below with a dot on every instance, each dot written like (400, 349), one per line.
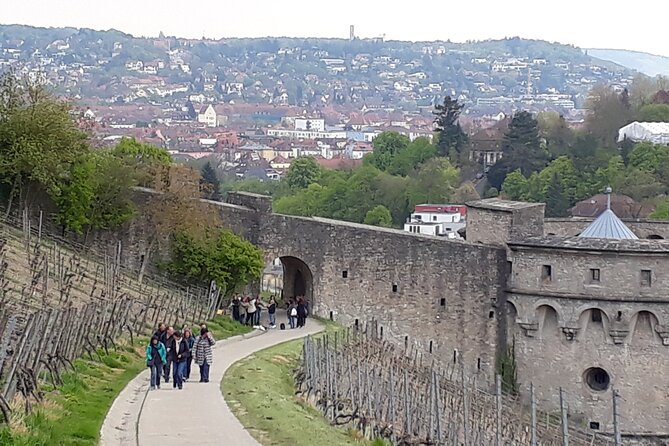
(210, 181)
(522, 150)
(557, 203)
(452, 138)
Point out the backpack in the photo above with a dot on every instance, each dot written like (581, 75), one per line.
(293, 312)
(282, 326)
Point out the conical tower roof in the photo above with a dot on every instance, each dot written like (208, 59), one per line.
(608, 225)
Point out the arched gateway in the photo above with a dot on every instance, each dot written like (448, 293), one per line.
(297, 278)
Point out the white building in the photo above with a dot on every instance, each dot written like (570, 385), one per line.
(207, 116)
(655, 132)
(443, 220)
(306, 134)
(314, 125)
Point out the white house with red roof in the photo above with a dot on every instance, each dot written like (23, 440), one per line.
(444, 220)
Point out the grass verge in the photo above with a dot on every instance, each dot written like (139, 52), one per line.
(72, 414)
(260, 390)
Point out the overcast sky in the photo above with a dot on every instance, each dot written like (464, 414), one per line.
(638, 25)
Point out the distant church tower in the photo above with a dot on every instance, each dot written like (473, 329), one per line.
(529, 81)
(352, 33)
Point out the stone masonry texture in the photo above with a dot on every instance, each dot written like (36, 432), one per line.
(470, 300)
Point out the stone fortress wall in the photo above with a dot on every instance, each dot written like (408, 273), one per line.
(469, 301)
(586, 319)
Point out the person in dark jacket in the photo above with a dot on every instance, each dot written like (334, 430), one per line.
(156, 357)
(236, 304)
(301, 313)
(179, 355)
(161, 332)
(169, 345)
(190, 340)
(271, 312)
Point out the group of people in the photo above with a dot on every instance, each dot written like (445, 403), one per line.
(175, 351)
(248, 310)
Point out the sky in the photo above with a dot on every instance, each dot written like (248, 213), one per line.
(638, 25)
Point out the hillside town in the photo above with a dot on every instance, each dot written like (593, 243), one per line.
(263, 102)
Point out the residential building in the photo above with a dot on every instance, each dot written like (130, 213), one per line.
(207, 116)
(443, 220)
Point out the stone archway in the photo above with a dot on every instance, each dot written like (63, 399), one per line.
(297, 278)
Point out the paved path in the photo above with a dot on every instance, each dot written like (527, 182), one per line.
(198, 414)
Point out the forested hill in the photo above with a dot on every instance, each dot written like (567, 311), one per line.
(310, 69)
(649, 64)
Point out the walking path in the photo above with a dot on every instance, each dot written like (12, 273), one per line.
(198, 414)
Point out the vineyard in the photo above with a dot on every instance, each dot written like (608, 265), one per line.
(361, 381)
(59, 301)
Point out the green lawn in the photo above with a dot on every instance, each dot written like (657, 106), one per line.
(261, 392)
(73, 414)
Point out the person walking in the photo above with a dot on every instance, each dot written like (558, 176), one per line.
(169, 345)
(203, 353)
(271, 312)
(180, 353)
(292, 314)
(301, 313)
(161, 332)
(190, 340)
(156, 358)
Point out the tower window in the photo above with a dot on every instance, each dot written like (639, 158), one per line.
(546, 273)
(442, 302)
(344, 274)
(394, 288)
(646, 277)
(594, 275)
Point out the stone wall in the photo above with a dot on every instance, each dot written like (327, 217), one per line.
(450, 298)
(439, 295)
(565, 326)
(497, 221)
(436, 292)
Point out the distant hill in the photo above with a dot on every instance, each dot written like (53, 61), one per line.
(650, 64)
(489, 75)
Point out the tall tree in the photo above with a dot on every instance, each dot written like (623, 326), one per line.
(452, 138)
(387, 146)
(522, 150)
(302, 172)
(555, 130)
(39, 142)
(557, 203)
(608, 111)
(210, 182)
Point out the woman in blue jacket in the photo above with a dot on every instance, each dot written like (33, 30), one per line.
(156, 358)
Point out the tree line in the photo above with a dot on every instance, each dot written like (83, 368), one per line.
(545, 160)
